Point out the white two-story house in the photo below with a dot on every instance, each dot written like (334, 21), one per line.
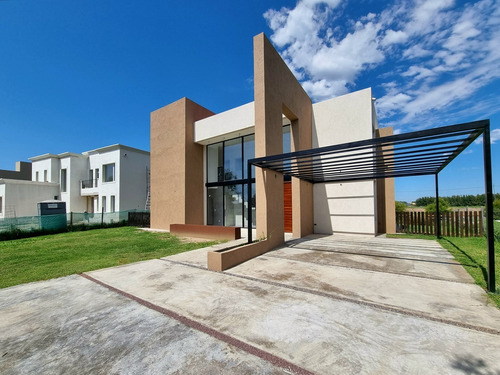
(108, 179)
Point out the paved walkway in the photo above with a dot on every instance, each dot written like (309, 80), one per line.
(328, 305)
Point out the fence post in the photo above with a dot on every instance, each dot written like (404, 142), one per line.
(475, 224)
(466, 216)
(481, 222)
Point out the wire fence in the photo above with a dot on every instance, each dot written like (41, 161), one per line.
(62, 221)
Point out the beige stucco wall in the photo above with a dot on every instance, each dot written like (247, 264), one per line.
(277, 92)
(386, 198)
(176, 165)
(347, 207)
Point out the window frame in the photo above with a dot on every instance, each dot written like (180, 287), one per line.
(105, 173)
(243, 181)
(64, 181)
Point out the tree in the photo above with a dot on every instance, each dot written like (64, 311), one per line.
(424, 201)
(443, 206)
(496, 209)
(400, 206)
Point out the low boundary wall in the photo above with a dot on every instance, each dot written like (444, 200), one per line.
(212, 232)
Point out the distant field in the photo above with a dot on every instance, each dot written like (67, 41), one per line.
(47, 257)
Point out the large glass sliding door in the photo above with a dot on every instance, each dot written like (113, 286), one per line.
(233, 206)
(215, 206)
(227, 201)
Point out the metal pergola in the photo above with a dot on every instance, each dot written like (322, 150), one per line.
(425, 152)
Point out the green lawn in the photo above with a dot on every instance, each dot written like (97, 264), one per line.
(471, 253)
(46, 257)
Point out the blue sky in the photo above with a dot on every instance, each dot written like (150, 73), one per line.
(77, 75)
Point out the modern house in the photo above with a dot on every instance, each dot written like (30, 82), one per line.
(107, 179)
(199, 161)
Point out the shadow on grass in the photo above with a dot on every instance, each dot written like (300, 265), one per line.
(473, 264)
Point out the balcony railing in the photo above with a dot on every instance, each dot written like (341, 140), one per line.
(87, 184)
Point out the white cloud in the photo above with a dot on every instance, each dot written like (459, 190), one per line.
(494, 137)
(324, 89)
(416, 51)
(418, 72)
(312, 50)
(394, 37)
(433, 54)
(390, 104)
(427, 16)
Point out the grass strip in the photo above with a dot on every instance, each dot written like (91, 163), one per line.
(471, 253)
(47, 257)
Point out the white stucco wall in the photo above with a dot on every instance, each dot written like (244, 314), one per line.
(347, 207)
(49, 164)
(23, 196)
(107, 189)
(236, 122)
(76, 169)
(133, 189)
(2, 200)
(129, 185)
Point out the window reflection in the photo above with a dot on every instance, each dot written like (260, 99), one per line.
(232, 159)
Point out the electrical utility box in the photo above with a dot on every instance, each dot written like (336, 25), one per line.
(52, 214)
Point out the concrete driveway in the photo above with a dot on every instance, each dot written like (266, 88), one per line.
(330, 305)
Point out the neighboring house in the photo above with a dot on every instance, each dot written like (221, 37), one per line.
(109, 179)
(20, 197)
(22, 172)
(199, 160)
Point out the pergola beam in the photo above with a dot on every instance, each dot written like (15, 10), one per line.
(417, 153)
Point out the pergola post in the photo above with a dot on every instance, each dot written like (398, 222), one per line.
(438, 216)
(488, 186)
(249, 201)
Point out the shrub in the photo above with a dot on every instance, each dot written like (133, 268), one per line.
(16, 233)
(443, 206)
(496, 209)
(400, 206)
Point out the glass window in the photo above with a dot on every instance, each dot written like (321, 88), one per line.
(1, 203)
(215, 163)
(109, 172)
(45, 179)
(112, 203)
(245, 206)
(37, 176)
(63, 180)
(233, 205)
(232, 160)
(286, 139)
(103, 204)
(215, 208)
(287, 145)
(248, 153)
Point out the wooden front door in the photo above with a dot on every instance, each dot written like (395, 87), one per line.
(287, 189)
